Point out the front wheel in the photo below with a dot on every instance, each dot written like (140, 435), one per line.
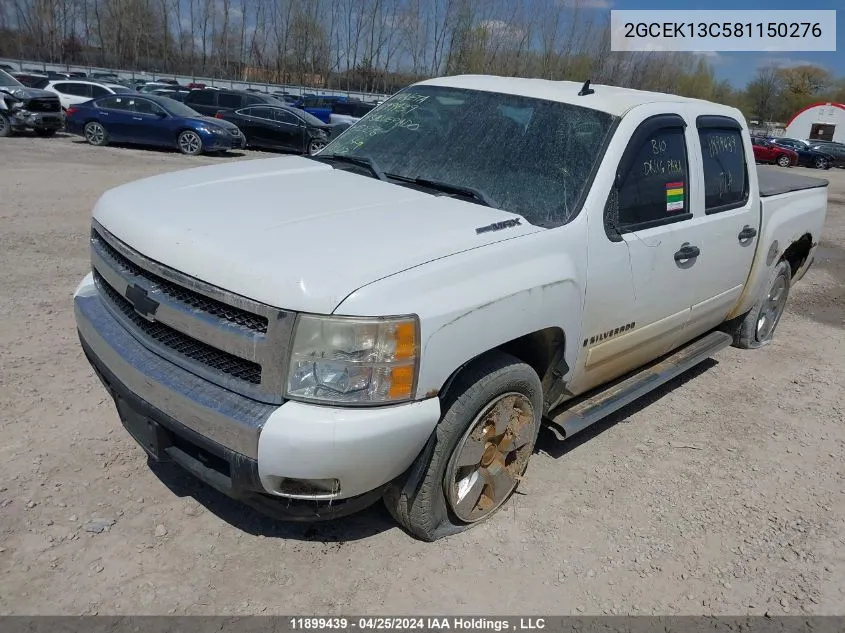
(5, 126)
(190, 143)
(821, 163)
(783, 161)
(478, 452)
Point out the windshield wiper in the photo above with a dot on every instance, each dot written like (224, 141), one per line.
(462, 190)
(361, 161)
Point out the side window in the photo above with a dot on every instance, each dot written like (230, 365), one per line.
(652, 184)
(99, 91)
(285, 117)
(310, 102)
(261, 113)
(254, 100)
(725, 171)
(142, 106)
(201, 97)
(229, 100)
(114, 103)
(77, 90)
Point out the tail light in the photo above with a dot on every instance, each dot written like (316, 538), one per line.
(71, 110)
(219, 115)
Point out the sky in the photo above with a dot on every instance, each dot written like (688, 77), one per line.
(741, 67)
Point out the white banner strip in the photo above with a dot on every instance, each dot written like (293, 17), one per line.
(723, 31)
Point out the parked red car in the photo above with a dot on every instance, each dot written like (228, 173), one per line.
(767, 152)
(195, 86)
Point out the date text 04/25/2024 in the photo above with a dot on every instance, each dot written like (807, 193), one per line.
(417, 624)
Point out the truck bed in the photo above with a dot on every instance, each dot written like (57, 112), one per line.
(777, 180)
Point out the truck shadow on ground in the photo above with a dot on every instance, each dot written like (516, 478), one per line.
(555, 448)
(364, 524)
(375, 519)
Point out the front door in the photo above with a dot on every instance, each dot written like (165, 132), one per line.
(643, 255)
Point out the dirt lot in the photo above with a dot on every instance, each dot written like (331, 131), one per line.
(724, 493)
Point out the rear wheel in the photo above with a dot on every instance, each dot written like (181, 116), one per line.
(783, 161)
(95, 133)
(315, 145)
(757, 327)
(478, 452)
(190, 143)
(5, 125)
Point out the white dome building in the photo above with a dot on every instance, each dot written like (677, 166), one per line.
(819, 122)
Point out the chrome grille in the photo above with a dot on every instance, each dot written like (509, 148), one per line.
(226, 338)
(180, 343)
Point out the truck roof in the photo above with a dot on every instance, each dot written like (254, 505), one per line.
(610, 99)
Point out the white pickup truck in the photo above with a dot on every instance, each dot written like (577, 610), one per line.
(396, 316)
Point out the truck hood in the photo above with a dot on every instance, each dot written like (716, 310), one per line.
(27, 93)
(292, 232)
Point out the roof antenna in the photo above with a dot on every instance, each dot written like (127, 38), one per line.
(585, 89)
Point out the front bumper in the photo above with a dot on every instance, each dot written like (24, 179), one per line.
(247, 449)
(219, 142)
(24, 119)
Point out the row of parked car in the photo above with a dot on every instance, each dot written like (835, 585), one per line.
(789, 152)
(193, 119)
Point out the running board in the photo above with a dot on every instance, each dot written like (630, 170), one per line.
(579, 416)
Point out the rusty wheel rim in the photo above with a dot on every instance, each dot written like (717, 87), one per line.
(491, 457)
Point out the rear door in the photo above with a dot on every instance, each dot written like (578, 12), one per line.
(726, 222)
(115, 114)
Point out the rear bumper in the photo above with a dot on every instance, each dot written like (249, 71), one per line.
(249, 450)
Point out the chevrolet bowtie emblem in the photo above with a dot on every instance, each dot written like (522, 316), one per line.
(141, 301)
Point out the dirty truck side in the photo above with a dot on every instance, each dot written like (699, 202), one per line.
(395, 317)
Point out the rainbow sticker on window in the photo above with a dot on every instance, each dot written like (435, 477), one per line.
(674, 196)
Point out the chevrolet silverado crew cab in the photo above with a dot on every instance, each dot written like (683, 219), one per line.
(396, 316)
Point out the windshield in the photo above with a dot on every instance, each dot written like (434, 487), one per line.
(532, 157)
(177, 108)
(7, 81)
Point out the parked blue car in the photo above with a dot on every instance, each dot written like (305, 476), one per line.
(154, 121)
(320, 107)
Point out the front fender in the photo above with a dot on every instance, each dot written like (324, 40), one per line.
(475, 301)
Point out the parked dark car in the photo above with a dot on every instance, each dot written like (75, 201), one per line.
(835, 150)
(7, 67)
(210, 101)
(23, 108)
(767, 152)
(52, 74)
(280, 127)
(151, 120)
(77, 74)
(31, 80)
(806, 157)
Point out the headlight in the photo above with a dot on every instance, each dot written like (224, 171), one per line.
(351, 360)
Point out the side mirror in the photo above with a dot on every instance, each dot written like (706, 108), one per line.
(161, 115)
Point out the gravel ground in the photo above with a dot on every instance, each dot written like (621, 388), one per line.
(723, 493)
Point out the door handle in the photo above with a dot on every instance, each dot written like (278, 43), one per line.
(747, 233)
(687, 252)
(137, 118)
